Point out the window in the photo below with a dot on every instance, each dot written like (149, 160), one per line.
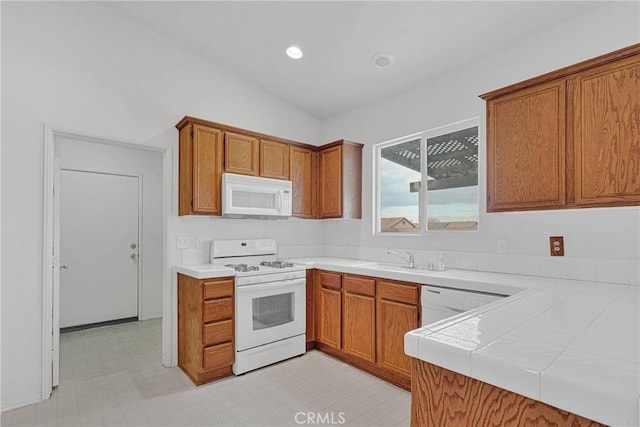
(449, 201)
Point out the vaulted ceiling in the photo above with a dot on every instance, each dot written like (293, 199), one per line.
(339, 40)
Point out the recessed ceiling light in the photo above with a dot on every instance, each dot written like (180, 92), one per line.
(294, 52)
(383, 60)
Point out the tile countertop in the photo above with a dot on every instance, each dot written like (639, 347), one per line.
(205, 271)
(571, 344)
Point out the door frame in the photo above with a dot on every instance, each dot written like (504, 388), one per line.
(50, 261)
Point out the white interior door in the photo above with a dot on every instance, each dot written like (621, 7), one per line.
(99, 220)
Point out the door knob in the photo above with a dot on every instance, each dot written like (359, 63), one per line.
(64, 266)
(133, 246)
(132, 256)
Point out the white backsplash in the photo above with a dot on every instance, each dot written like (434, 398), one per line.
(603, 270)
(342, 239)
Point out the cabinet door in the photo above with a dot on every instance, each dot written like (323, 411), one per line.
(207, 170)
(331, 182)
(359, 326)
(394, 320)
(329, 317)
(241, 154)
(606, 106)
(274, 159)
(526, 149)
(303, 173)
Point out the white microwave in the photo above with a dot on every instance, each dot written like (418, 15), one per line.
(254, 197)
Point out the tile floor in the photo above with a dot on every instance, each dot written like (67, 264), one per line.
(112, 376)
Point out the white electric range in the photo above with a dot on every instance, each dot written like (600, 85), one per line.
(270, 302)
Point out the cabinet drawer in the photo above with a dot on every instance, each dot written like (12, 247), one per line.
(400, 292)
(217, 309)
(218, 332)
(217, 288)
(217, 356)
(360, 285)
(331, 280)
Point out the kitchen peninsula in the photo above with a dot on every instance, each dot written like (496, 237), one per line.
(568, 344)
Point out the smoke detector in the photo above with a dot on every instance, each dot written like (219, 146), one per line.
(382, 60)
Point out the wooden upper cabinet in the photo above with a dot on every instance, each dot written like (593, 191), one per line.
(241, 154)
(606, 132)
(340, 173)
(326, 181)
(526, 149)
(200, 169)
(567, 139)
(331, 182)
(303, 172)
(274, 159)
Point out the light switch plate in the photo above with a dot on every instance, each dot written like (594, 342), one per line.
(199, 241)
(502, 246)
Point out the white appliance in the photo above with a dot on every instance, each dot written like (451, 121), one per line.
(439, 303)
(270, 302)
(254, 197)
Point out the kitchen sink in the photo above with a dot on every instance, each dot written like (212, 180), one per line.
(397, 267)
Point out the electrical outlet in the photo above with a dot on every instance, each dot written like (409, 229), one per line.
(183, 242)
(556, 245)
(199, 241)
(502, 246)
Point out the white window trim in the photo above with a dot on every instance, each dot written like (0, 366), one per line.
(422, 206)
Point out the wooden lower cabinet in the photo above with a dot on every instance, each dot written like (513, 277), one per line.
(362, 321)
(440, 397)
(205, 328)
(329, 309)
(394, 320)
(311, 312)
(359, 317)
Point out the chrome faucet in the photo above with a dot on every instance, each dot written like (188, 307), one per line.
(410, 260)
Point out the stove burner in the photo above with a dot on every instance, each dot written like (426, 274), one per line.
(276, 264)
(242, 268)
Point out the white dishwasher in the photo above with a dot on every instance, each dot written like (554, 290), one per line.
(439, 302)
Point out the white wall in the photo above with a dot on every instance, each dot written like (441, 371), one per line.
(600, 244)
(84, 66)
(84, 155)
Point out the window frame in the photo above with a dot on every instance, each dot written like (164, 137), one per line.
(423, 193)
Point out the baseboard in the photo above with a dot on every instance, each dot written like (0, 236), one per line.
(150, 316)
(98, 324)
(21, 401)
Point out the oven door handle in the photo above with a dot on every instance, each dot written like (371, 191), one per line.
(280, 284)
